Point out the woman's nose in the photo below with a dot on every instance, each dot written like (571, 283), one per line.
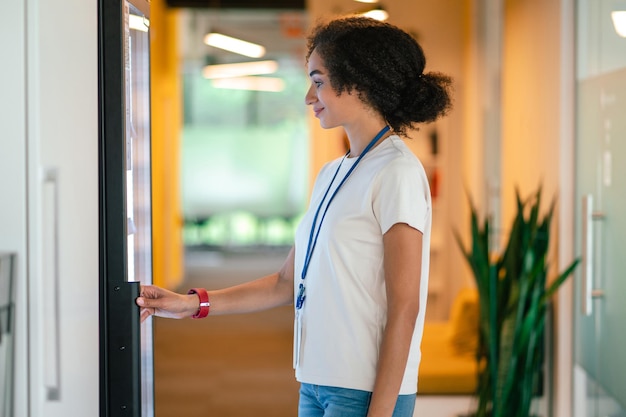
(310, 96)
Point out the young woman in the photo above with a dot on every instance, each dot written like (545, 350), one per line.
(358, 272)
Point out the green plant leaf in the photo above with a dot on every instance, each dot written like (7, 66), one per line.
(513, 299)
(554, 286)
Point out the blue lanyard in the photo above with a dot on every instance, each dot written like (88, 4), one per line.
(314, 233)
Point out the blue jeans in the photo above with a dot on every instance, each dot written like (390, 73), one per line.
(322, 401)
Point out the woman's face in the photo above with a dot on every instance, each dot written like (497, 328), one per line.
(331, 109)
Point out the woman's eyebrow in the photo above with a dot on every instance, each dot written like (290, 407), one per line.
(312, 73)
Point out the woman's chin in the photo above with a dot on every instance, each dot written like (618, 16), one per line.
(326, 125)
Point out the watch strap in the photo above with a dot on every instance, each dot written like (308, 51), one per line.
(205, 305)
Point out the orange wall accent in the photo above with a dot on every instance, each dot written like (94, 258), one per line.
(166, 130)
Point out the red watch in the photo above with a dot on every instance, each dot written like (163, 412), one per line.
(205, 305)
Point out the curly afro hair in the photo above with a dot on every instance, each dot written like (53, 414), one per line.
(385, 66)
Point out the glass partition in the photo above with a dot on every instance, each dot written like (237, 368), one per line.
(599, 366)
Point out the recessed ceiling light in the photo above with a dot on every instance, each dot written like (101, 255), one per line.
(273, 85)
(240, 69)
(619, 22)
(378, 14)
(235, 45)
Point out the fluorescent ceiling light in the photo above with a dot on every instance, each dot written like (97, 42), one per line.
(619, 22)
(367, 1)
(240, 69)
(273, 85)
(138, 23)
(378, 14)
(234, 45)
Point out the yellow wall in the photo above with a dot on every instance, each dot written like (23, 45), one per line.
(537, 136)
(531, 93)
(166, 127)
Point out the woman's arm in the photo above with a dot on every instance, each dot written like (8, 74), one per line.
(269, 291)
(403, 266)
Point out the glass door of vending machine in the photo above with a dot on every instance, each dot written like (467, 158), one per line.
(126, 382)
(138, 176)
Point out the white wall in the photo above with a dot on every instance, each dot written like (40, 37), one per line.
(13, 171)
(49, 114)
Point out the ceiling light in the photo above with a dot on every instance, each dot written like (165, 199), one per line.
(269, 84)
(378, 14)
(619, 22)
(138, 23)
(240, 69)
(367, 1)
(234, 45)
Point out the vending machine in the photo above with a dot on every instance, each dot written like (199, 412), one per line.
(75, 218)
(126, 380)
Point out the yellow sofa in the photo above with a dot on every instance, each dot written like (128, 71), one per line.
(448, 364)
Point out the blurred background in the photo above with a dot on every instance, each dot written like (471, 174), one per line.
(239, 156)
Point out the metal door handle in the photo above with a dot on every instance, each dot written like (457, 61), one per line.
(50, 255)
(588, 293)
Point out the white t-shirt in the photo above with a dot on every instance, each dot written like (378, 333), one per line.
(345, 310)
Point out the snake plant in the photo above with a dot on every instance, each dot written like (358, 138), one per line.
(513, 296)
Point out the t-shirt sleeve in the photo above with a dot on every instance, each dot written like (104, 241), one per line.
(401, 195)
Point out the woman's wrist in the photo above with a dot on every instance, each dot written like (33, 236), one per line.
(203, 304)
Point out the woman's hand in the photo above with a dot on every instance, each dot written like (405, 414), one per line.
(156, 301)
(266, 292)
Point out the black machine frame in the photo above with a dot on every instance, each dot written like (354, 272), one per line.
(120, 340)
